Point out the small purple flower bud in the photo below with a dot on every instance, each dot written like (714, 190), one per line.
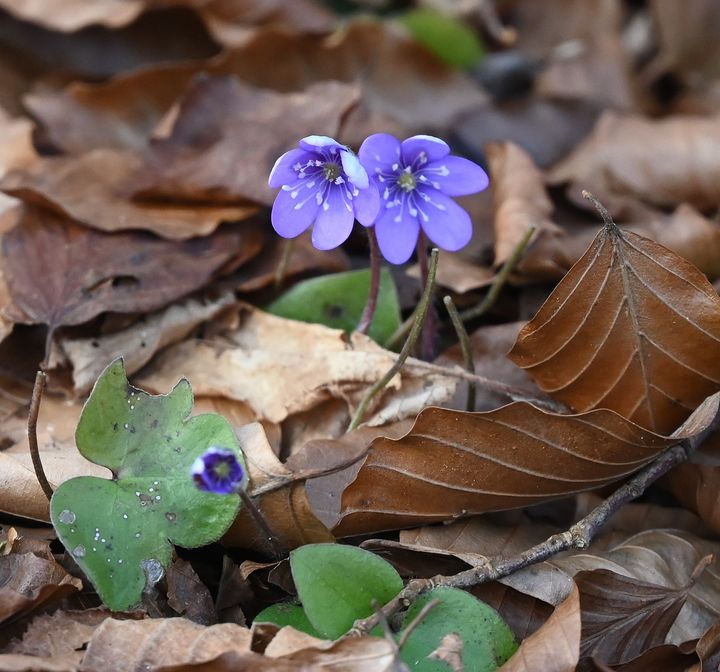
(218, 470)
(323, 185)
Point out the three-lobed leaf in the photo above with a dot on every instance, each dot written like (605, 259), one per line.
(120, 531)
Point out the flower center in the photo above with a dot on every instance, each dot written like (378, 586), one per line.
(222, 470)
(331, 171)
(407, 182)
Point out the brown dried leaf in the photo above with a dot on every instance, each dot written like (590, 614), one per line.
(619, 161)
(555, 647)
(137, 344)
(454, 463)
(622, 616)
(521, 201)
(97, 272)
(399, 78)
(280, 367)
(29, 583)
(632, 327)
(187, 595)
(20, 493)
(76, 14)
(227, 135)
(93, 189)
(158, 642)
(16, 145)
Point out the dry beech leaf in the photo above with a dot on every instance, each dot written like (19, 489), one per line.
(227, 135)
(399, 78)
(20, 493)
(137, 344)
(280, 367)
(555, 647)
(455, 464)
(622, 616)
(93, 189)
(187, 595)
(521, 201)
(158, 642)
(230, 21)
(60, 273)
(29, 583)
(284, 504)
(633, 328)
(620, 161)
(69, 16)
(16, 145)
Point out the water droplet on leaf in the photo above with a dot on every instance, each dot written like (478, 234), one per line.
(67, 517)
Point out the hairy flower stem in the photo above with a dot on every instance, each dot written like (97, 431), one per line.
(369, 311)
(429, 330)
(579, 536)
(40, 380)
(288, 247)
(407, 348)
(466, 349)
(500, 279)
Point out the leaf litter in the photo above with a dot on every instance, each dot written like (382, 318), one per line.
(135, 223)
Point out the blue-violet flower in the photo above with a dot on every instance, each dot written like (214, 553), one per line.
(322, 184)
(218, 470)
(416, 179)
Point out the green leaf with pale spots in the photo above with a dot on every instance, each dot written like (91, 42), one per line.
(337, 300)
(121, 531)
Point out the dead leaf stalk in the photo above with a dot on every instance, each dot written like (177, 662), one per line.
(466, 349)
(579, 536)
(407, 348)
(369, 311)
(38, 388)
(500, 279)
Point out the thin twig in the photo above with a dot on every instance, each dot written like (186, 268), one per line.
(466, 349)
(513, 393)
(40, 379)
(282, 267)
(579, 536)
(369, 311)
(278, 549)
(407, 348)
(500, 279)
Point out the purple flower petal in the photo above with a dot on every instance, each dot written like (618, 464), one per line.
(367, 205)
(354, 170)
(334, 222)
(379, 153)
(432, 147)
(313, 143)
(282, 172)
(397, 233)
(444, 221)
(294, 210)
(454, 176)
(218, 470)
